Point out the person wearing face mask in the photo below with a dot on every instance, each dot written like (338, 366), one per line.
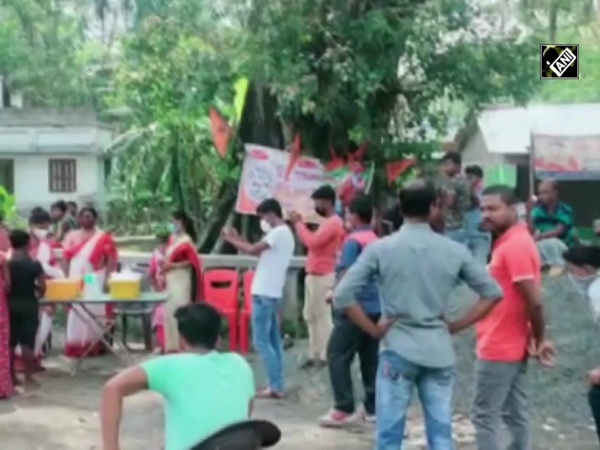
(323, 248)
(41, 251)
(274, 251)
(347, 339)
(88, 250)
(182, 270)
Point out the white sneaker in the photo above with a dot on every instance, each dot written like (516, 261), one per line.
(337, 419)
(361, 414)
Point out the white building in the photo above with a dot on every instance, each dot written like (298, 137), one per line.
(47, 155)
(502, 135)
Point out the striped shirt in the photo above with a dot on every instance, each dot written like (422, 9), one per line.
(545, 220)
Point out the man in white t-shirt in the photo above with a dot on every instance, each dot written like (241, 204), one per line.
(275, 251)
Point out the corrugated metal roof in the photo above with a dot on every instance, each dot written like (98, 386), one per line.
(508, 129)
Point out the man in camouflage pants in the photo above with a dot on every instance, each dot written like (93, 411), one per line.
(457, 196)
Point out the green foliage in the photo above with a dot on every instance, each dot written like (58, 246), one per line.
(170, 74)
(44, 53)
(334, 68)
(8, 210)
(341, 72)
(587, 88)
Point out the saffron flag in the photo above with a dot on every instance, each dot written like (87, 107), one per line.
(336, 161)
(295, 153)
(359, 154)
(221, 132)
(394, 169)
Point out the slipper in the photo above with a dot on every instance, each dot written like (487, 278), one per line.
(269, 393)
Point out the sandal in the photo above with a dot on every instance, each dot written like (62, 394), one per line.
(269, 393)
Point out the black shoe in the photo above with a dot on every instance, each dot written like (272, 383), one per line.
(321, 364)
(308, 364)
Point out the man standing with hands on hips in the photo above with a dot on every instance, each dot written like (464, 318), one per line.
(323, 247)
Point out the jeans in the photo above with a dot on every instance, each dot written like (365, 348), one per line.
(501, 396)
(458, 235)
(396, 381)
(266, 338)
(346, 340)
(594, 401)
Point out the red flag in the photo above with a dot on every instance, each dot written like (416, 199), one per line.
(221, 132)
(295, 152)
(359, 154)
(336, 161)
(394, 169)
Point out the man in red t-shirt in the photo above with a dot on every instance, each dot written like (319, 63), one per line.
(512, 331)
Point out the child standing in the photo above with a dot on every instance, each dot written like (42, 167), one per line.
(27, 283)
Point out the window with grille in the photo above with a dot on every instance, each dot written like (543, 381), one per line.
(62, 175)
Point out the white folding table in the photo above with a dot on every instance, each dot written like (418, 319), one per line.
(81, 307)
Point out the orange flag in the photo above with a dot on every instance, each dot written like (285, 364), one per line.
(221, 132)
(394, 169)
(295, 153)
(336, 161)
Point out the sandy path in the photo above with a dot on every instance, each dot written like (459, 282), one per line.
(63, 415)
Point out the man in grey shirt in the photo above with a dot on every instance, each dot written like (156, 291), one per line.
(417, 270)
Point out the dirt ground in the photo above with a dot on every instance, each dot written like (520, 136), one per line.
(63, 413)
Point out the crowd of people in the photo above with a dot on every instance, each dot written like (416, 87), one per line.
(384, 299)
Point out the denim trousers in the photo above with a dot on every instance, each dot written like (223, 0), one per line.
(396, 382)
(266, 338)
(348, 340)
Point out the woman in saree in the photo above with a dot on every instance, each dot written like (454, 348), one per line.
(183, 273)
(158, 282)
(40, 249)
(88, 250)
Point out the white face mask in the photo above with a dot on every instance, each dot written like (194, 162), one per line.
(40, 233)
(265, 227)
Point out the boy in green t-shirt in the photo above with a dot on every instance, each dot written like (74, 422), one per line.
(203, 390)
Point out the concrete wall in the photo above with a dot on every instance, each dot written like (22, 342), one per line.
(31, 184)
(30, 137)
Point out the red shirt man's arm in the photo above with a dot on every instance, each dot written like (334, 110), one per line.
(327, 231)
(523, 273)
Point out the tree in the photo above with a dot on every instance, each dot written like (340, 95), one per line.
(44, 53)
(339, 72)
(169, 74)
(385, 71)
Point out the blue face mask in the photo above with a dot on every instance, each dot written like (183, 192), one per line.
(172, 228)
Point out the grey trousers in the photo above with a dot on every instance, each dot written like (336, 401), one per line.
(500, 395)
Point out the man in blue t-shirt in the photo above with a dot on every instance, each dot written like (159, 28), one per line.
(347, 339)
